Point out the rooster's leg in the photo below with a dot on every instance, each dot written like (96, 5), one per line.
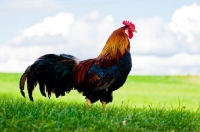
(104, 105)
(88, 102)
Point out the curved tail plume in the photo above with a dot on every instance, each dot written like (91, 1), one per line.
(52, 72)
(23, 80)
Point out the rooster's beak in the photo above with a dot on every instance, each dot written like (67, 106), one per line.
(135, 31)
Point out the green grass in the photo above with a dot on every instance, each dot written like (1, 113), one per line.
(144, 103)
(21, 115)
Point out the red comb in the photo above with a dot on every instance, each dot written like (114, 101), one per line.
(130, 24)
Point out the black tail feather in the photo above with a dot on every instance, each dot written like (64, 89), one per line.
(52, 72)
(49, 92)
(42, 89)
(31, 83)
(23, 80)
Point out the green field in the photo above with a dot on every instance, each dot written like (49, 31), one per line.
(138, 91)
(158, 103)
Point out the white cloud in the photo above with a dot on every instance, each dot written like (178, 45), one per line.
(83, 37)
(153, 37)
(156, 37)
(58, 25)
(52, 26)
(181, 63)
(157, 48)
(89, 34)
(185, 22)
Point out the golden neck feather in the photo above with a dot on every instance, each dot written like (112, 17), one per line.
(116, 46)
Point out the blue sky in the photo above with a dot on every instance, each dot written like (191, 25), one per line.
(167, 41)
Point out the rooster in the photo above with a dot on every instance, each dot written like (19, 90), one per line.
(95, 78)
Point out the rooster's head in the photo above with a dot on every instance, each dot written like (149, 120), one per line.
(129, 28)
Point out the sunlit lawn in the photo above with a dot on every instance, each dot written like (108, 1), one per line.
(144, 103)
(138, 91)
